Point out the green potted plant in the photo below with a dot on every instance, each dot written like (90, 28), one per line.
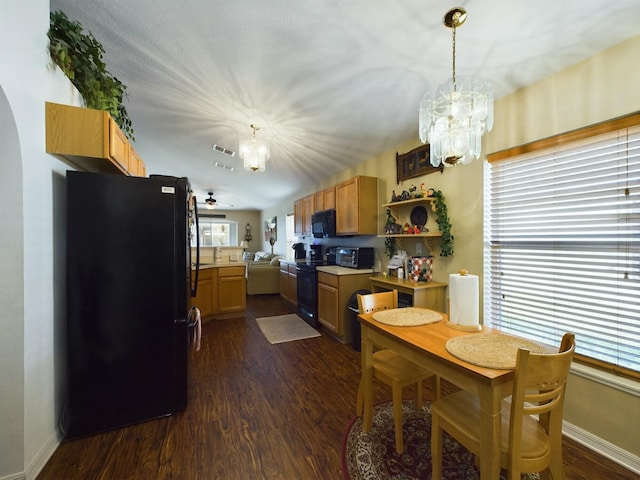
(444, 225)
(79, 56)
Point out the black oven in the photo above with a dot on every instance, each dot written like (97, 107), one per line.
(308, 292)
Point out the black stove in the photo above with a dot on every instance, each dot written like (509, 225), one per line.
(307, 290)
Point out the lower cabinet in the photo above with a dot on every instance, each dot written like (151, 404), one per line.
(289, 283)
(207, 293)
(334, 293)
(221, 291)
(232, 289)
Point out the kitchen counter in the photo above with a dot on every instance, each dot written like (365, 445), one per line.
(204, 266)
(337, 270)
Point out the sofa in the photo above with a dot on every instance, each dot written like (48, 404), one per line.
(263, 273)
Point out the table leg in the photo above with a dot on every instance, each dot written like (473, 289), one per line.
(490, 431)
(366, 354)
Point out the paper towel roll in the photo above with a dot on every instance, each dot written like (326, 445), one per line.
(464, 300)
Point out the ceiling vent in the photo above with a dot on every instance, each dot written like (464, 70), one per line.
(221, 149)
(222, 165)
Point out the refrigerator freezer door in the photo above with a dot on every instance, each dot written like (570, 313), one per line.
(127, 283)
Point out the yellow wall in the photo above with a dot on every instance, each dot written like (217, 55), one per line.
(600, 88)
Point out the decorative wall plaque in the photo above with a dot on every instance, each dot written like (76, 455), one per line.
(415, 163)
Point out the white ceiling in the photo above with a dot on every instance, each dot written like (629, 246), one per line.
(331, 83)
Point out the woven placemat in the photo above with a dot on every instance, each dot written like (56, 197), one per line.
(491, 350)
(407, 317)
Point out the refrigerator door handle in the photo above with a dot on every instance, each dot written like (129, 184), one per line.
(194, 287)
(190, 321)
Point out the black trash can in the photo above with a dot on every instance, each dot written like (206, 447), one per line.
(355, 324)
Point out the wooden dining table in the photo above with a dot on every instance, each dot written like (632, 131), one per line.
(426, 346)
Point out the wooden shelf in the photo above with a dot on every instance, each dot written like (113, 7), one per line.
(409, 202)
(411, 235)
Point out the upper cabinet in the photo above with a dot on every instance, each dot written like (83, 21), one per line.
(325, 199)
(355, 201)
(91, 140)
(302, 211)
(356, 206)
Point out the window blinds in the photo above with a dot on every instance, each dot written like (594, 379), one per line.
(563, 246)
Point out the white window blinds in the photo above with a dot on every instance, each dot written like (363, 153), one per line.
(563, 246)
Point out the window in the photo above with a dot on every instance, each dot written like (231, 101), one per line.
(563, 242)
(216, 233)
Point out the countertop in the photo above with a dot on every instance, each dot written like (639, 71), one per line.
(204, 266)
(337, 270)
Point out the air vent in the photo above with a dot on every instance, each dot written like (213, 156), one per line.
(221, 149)
(222, 165)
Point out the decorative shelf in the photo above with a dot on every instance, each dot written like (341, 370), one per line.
(410, 202)
(411, 235)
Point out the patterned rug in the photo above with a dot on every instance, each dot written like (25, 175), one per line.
(372, 456)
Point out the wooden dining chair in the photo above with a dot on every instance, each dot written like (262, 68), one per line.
(392, 369)
(529, 444)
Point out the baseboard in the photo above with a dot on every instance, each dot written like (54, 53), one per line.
(602, 447)
(14, 476)
(41, 458)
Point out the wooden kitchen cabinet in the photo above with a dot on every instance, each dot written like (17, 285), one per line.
(207, 293)
(289, 283)
(232, 289)
(329, 198)
(356, 206)
(222, 291)
(137, 168)
(302, 211)
(334, 293)
(89, 139)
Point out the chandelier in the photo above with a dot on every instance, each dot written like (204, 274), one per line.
(254, 153)
(458, 114)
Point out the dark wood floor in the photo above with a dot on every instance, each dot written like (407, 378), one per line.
(256, 411)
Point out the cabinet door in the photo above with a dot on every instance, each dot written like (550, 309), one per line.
(347, 207)
(319, 201)
(284, 284)
(298, 217)
(293, 288)
(231, 294)
(329, 197)
(204, 298)
(308, 209)
(328, 313)
(118, 145)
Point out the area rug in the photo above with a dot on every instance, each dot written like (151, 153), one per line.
(369, 456)
(286, 328)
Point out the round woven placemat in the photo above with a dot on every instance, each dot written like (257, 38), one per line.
(491, 350)
(407, 317)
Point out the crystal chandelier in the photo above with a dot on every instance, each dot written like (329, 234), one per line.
(254, 153)
(454, 119)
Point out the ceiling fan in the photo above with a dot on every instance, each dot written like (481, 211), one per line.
(211, 203)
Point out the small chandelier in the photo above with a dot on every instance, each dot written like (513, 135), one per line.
(254, 153)
(455, 118)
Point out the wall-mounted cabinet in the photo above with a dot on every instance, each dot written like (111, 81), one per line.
(356, 206)
(302, 211)
(90, 140)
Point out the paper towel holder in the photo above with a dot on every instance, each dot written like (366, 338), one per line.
(456, 326)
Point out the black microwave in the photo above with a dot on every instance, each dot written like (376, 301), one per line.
(323, 224)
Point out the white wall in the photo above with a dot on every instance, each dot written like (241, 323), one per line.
(33, 273)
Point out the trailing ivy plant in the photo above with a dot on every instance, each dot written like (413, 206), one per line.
(79, 56)
(444, 225)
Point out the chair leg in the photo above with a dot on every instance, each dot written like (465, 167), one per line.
(417, 397)
(436, 448)
(397, 416)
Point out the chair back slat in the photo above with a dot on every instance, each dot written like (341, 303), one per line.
(377, 301)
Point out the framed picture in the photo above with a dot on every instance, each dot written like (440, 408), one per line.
(415, 163)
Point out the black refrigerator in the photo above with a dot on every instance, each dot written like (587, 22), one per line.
(129, 285)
